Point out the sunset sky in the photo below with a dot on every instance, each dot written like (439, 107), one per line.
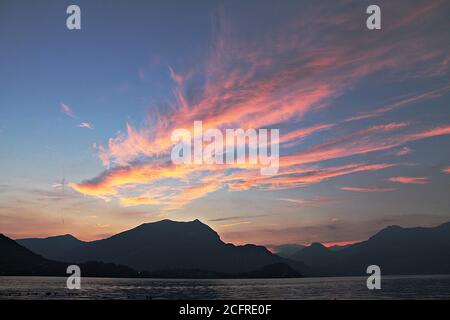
(86, 116)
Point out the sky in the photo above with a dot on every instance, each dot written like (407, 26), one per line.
(87, 116)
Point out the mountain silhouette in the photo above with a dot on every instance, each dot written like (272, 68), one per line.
(16, 260)
(53, 247)
(394, 249)
(285, 250)
(192, 249)
(338, 247)
(164, 245)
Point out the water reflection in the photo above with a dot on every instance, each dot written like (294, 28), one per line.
(393, 287)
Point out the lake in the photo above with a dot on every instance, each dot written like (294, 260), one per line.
(392, 287)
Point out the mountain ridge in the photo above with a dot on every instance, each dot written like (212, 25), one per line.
(397, 250)
(164, 245)
(193, 245)
(16, 260)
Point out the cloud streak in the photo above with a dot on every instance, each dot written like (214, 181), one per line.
(85, 125)
(409, 180)
(367, 189)
(67, 110)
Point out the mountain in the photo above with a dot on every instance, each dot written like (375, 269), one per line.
(192, 249)
(316, 254)
(285, 250)
(53, 247)
(166, 245)
(395, 249)
(16, 260)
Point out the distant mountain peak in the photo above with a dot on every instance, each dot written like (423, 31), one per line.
(393, 227)
(387, 231)
(169, 221)
(396, 249)
(318, 245)
(445, 225)
(64, 236)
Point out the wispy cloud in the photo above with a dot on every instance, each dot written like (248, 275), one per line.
(299, 134)
(446, 170)
(229, 225)
(86, 125)
(362, 142)
(237, 217)
(403, 151)
(367, 189)
(409, 180)
(67, 110)
(305, 203)
(408, 100)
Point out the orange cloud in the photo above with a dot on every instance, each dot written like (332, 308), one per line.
(340, 243)
(290, 175)
(446, 170)
(192, 192)
(109, 182)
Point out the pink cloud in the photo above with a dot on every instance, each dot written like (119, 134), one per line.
(67, 110)
(446, 170)
(361, 142)
(403, 151)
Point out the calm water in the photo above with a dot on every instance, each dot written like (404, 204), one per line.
(393, 287)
